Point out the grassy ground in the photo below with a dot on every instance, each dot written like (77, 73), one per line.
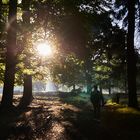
(117, 121)
(69, 118)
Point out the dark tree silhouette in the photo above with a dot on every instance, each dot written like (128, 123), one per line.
(131, 57)
(10, 56)
(0, 8)
(131, 9)
(27, 93)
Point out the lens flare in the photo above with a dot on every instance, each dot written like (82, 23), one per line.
(44, 49)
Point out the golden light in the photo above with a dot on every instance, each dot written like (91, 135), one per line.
(44, 49)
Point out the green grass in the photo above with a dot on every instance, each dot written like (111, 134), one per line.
(117, 120)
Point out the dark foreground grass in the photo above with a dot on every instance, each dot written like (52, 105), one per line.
(118, 122)
(69, 118)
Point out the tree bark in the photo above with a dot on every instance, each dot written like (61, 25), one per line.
(27, 93)
(0, 9)
(101, 89)
(88, 69)
(109, 90)
(131, 57)
(73, 87)
(9, 75)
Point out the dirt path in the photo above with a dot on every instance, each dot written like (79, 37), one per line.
(47, 118)
(60, 127)
(54, 118)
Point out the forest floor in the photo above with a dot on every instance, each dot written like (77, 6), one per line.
(68, 118)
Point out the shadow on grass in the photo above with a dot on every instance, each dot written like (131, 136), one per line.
(117, 122)
(76, 117)
(85, 127)
(24, 124)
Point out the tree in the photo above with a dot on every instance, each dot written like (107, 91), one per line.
(70, 72)
(10, 56)
(128, 12)
(131, 56)
(2, 41)
(27, 93)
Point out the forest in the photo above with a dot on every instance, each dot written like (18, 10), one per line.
(88, 47)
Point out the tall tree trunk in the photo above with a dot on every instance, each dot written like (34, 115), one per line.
(109, 90)
(100, 88)
(125, 85)
(0, 9)
(109, 87)
(88, 67)
(89, 83)
(27, 93)
(10, 56)
(73, 87)
(131, 58)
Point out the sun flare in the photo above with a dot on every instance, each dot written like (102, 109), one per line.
(44, 49)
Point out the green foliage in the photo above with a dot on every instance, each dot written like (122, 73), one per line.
(2, 69)
(87, 45)
(70, 72)
(5, 1)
